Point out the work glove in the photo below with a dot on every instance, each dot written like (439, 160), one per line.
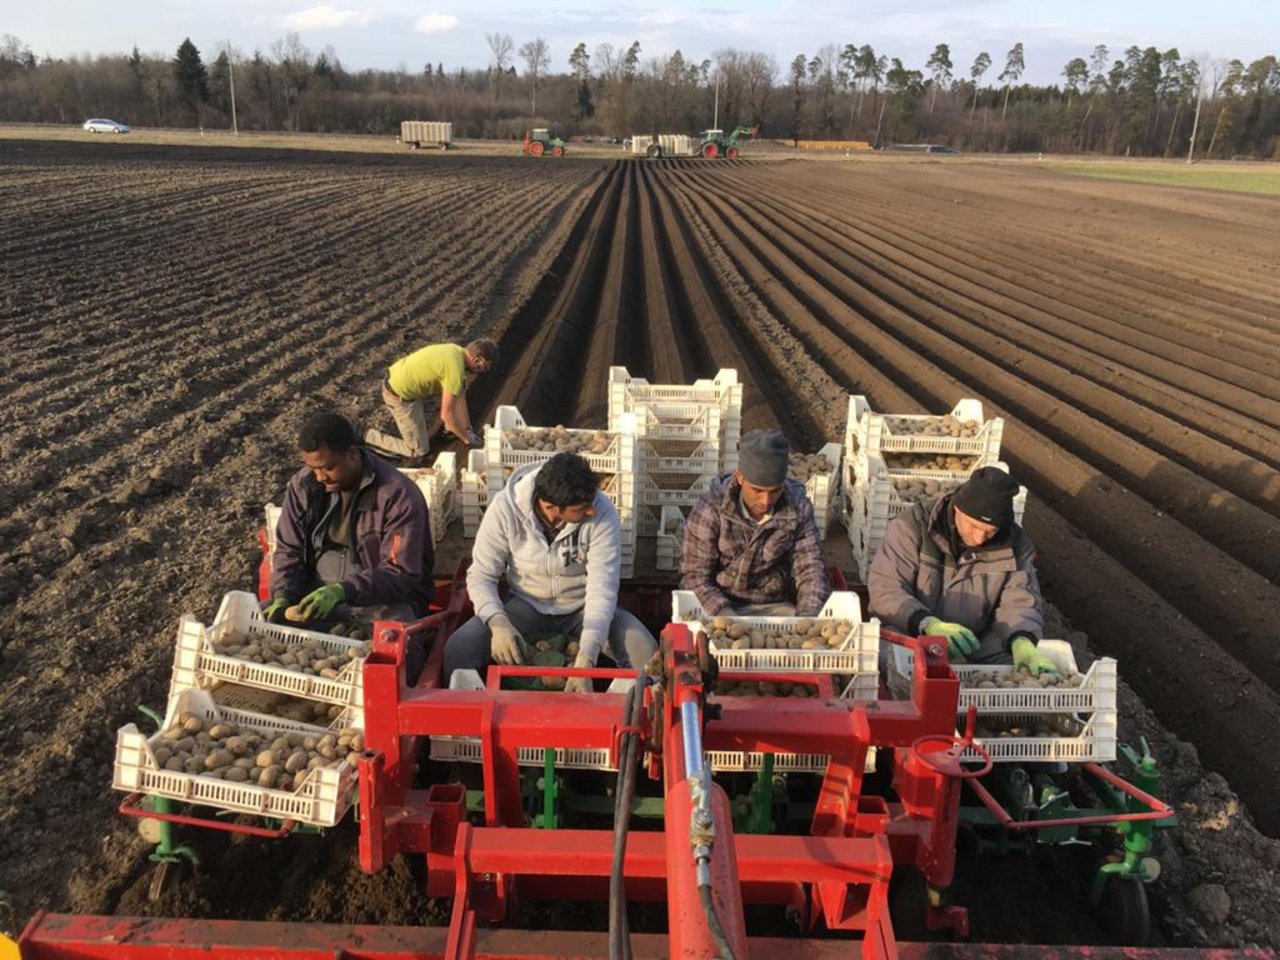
(960, 639)
(474, 441)
(319, 603)
(506, 645)
(1027, 654)
(581, 684)
(273, 612)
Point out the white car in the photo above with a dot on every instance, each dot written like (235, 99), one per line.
(105, 126)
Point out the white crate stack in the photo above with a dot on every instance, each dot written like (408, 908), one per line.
(616, 466)
(856, 657)
(669, 540)
(823, 489)
(687, 434)
(473, 493)
(1092, 704)
(869, 484)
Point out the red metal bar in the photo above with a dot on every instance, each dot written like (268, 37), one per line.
(130, 806)
(1158, 809)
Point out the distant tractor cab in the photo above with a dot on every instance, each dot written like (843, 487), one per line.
(540, 143)
(716, 144)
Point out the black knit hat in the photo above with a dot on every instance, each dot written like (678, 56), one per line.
(762, 457)
(987, 496)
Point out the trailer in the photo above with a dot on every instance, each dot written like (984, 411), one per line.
(426, 133)
(665, 145)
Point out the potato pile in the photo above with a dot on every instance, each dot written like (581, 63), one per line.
(765, 688)
(930, 461)
(304, 711)
(558, 439)
(912, 489)
(1042, 725)
(946, 426)
(728, 634)
(1012, 679)
(227, 751)
(802, 466)
(310, 657)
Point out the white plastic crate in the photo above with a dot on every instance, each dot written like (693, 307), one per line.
(701, 458)
(264, 703)
(671, 489)
(857, 654)
(823, 489)
(868, 432)
(197, 665)
(321, 799)
(1095, 698)
(729, 761)
(669, 540)
(676, 410)
(501, 457)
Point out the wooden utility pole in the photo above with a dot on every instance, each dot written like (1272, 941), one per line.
(231, 77)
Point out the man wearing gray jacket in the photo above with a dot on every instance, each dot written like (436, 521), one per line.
(557, 539)
(960, 568)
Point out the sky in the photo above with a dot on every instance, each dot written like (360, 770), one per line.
(394, 34)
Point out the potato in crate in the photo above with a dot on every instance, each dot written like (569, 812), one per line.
(510, 443)
(1067, 716)
(820, 474)
(963, 431)
(241, 647)
(836, 641)
(241, 762)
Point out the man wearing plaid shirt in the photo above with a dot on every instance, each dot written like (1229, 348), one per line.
(751, 547)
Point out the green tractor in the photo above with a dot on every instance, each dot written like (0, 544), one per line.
(715, 143)
(540, 143)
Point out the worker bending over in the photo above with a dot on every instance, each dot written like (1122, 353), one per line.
(751, 546)
(557, 540)
(960, 568)
(353, 543)
(438, 370)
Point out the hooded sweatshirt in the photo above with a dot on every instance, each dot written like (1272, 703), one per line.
(578, 570)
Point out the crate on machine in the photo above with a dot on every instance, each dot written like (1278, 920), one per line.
(878, 433)
(320, 798)
(473, 492)
(855, 654)
(669, 539)
(1091, 705)
(197, 664)
(703, 411)
(823, 489)
(502, 457)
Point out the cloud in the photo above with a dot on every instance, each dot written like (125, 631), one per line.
(324, 17)
(436, 23)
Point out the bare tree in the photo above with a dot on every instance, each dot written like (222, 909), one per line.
(500, 45)
(537, 57)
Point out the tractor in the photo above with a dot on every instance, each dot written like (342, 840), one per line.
(715, 143)
(540, 143)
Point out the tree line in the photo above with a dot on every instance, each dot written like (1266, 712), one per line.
(1142, 102)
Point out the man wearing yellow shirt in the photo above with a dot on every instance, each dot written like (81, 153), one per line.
(438, 370)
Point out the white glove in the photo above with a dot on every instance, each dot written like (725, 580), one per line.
(581, 684)
(506, 645)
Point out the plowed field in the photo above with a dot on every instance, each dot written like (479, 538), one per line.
(168, 315)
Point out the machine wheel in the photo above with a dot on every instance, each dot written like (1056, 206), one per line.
(557, 151)
(1124, 913)
(908, 900)
(536, 148)
(710, 151)
(732, 153)
(654, 151)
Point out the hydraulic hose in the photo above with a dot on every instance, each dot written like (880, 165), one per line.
(632, 711)
(713, 923)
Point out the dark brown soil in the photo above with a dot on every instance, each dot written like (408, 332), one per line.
(169, 315)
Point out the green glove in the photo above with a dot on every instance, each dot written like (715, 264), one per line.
(960, 639)
(273, 612)
(318, 604)
(1027, 654)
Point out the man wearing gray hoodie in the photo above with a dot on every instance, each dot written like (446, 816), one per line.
(557, 539)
